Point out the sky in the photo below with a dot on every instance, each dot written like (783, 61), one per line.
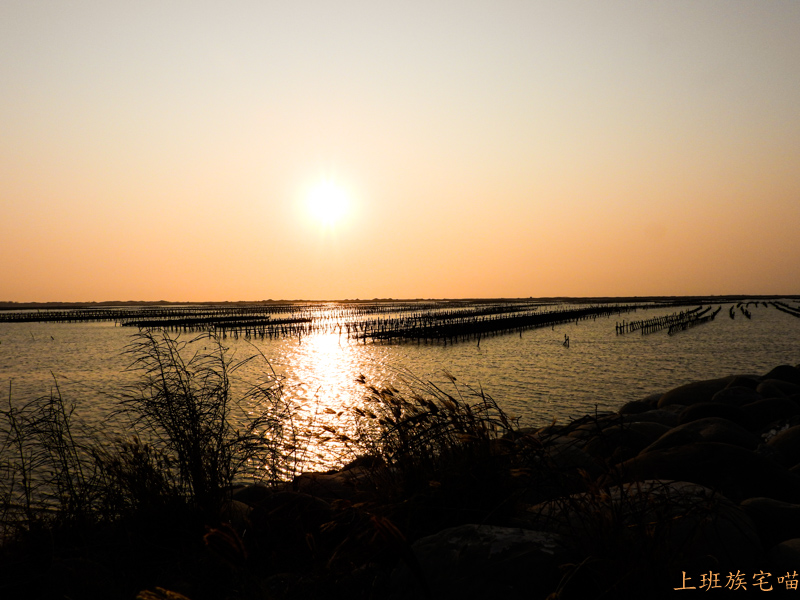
(168, 150)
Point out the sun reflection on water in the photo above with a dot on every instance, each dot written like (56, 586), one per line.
(324, 367)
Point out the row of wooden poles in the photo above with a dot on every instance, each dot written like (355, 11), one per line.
(144, 316)
(694, 321)
(789, 310)
(334, 323)
(656, 323)
(179, 317)
(436, 326)
(475, 327)
(404, 321)
(136, 314)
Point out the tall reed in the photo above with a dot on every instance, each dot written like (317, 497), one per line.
(190, 434)
(185, 408)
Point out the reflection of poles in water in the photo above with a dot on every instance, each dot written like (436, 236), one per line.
(566, 341)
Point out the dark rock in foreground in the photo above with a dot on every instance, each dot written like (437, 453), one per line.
(481, 561)
(702, 479)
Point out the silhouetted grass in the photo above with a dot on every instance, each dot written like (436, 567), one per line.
(425, 437)
(206, 438)
(149, 492)
(150, 514)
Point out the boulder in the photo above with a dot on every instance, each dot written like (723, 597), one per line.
(692, 393)
(784, 558)
(784, 373)
(283, 525)
(734, 471)
(662, 416)
(252, 494)
(479, 562)
(635, 406)
(709, 429)
(701, 410)
(764, 412)
(563, 467)
(653, 399)
(568, 456)
(737, 395)
(685, 523)
(236, 513)
(354, 484)
(776, 521)
(787, 442)
(748, 381)
(616, 443)
(73, 577)
(650, 430)
(775, 388)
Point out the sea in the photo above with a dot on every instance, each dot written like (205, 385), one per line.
(534, 375)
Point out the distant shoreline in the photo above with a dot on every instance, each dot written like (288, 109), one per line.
(10, 305)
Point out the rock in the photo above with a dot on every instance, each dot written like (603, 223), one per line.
(712, 409)
(479, 562)
(775, 388)
(354, 484)
(77, 577)
(568, 455)
(692, 393)
(787, 442)
(776, 521)
(748, 381)
(617, 442)
(635, 406)
(784, 373)
(564, 469)
(652, 431)
(236, 513)
(588, 426)
(764, 412)
(687, 523)
(252, 494)
(784, 557)
(365, 461)
(734, 471)
(662, 416)
(282, 526)
(709, 429)
(737, 395)
(653, 399)
(773, 455)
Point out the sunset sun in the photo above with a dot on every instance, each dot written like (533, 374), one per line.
(328, 203)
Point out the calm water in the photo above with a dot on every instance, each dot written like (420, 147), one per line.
(531, 375)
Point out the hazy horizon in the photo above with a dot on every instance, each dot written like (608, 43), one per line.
(355, 149)
(715, 297)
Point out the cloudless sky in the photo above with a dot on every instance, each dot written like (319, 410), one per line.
(166, 149)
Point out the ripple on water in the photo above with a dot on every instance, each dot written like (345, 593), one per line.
(532, 375)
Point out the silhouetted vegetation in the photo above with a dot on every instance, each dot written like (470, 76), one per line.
(442, 495)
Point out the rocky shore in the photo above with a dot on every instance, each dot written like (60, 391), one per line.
(693, 490)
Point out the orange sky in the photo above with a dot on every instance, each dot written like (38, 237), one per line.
(162, 150)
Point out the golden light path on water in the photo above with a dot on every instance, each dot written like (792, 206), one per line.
(326, 392)
(319, 379)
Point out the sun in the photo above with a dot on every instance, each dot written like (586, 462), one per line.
(328, 203)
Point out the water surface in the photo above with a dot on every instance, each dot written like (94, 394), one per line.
(532, 374)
